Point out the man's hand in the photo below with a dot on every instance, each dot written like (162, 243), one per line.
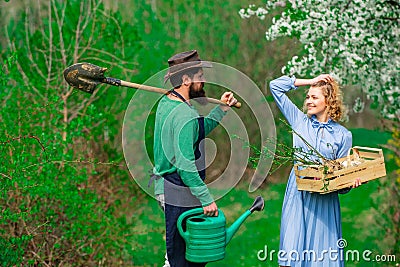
(229, 99)
(211, 210)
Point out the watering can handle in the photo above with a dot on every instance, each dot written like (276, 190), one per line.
(183, 216)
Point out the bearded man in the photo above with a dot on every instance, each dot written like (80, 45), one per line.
(179, 164)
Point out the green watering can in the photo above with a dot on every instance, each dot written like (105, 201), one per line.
(206, 237)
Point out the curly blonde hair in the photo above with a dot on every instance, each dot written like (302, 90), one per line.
(333, 98)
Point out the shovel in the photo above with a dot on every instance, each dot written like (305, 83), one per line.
(86, 76)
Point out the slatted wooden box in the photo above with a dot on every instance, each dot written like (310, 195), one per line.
(370, 166)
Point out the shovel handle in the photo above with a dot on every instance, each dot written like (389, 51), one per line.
(117, 82)
(144, 87)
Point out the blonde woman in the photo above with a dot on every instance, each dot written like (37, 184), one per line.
(311, 223)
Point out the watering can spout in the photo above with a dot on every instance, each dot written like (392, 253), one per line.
(258, 205)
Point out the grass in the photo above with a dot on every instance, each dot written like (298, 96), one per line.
(261, 229)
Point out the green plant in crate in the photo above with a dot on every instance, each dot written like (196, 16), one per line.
(282, 154)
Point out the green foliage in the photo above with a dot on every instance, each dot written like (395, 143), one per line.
(13, 249)
(61, 179)
(51, 211)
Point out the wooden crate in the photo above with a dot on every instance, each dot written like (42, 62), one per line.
(372, 166)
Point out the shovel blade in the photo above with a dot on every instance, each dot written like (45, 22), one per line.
(84, 76)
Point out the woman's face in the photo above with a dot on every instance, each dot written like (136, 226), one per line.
(316, 104)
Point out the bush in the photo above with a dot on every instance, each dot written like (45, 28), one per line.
(64, 186)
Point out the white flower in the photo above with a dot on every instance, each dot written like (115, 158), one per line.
(367, 48)
(358, 105)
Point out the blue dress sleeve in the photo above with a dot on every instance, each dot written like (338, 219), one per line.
(278, 88)
(346, 144)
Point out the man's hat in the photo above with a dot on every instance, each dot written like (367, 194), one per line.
(183, 61)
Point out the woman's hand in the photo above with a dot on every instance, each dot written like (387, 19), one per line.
(323, 77)
(304, 82)
(357, 183)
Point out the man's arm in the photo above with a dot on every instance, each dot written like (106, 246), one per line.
(215, 116)
(186, 133)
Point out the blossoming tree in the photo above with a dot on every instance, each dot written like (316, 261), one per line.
(357, 41)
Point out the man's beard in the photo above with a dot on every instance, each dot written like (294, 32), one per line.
(198, 95)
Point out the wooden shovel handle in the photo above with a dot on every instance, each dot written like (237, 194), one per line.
(164, 91)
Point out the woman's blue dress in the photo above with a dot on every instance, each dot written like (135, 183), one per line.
(311, 222)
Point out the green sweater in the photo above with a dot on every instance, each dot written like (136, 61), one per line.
(175, 134)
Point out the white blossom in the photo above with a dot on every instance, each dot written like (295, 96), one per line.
(357, 40)
(358, 105)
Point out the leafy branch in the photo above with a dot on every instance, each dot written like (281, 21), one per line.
(282, 154)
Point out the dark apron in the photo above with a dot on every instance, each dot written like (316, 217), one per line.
(179, 199)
